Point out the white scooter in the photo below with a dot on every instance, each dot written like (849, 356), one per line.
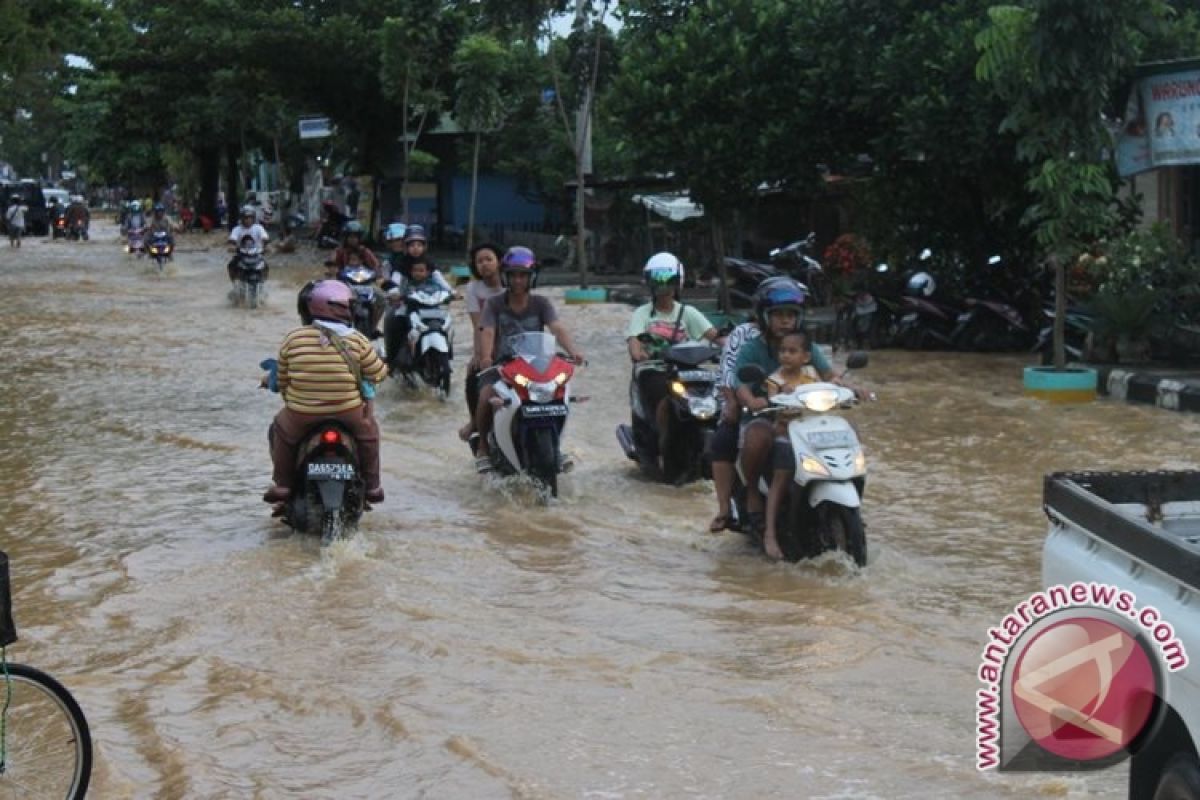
(823, 508)
(431, 331)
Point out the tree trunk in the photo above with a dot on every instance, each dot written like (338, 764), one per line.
(580, 247)
(1060, 312)
(233, 198)
(405, 150)
(210, 181)
(718, 237)
(474, 190)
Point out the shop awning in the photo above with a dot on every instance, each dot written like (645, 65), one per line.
(675, 207)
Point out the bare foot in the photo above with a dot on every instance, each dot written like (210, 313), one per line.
(771, 545)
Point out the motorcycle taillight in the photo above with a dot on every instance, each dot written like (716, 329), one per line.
(331, 437)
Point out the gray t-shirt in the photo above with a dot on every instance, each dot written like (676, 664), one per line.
(508, 323)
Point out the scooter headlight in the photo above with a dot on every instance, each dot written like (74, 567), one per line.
(820, 402)
(542, 392)
(678, 388)
(702, 407)
(814, 467)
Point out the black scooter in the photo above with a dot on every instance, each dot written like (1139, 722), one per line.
(694, 410)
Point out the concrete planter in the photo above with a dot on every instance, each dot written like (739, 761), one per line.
(1072, 385)
(576, 296)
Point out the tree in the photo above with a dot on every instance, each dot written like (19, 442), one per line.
(1058, 62)
(479, 64)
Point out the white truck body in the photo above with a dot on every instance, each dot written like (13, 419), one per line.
(1139, 531)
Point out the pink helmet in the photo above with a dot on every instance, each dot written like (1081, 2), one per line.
(331, 300)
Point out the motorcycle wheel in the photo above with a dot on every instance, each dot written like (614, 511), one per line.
(331, 526)
(797, 529)
(252, 296)
(543, 461)
(842, 528)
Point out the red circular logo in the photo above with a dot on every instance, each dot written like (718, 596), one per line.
(1083, 688)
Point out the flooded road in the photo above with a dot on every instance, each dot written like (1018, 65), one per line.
(469, 643)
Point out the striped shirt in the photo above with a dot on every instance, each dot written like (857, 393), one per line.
(315, 379)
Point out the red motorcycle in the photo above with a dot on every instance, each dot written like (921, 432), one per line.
(534, 389)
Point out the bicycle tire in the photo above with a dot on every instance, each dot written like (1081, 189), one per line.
(42, 710)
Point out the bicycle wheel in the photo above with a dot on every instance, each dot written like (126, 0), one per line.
(47, 747)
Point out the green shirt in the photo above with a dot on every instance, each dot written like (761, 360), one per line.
(757, 352)
(661, 324)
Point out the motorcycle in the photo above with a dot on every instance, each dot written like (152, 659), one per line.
(991, 325)
(694, 409)
(864, 319)
(794, 259)
(367, 297)
(329, 494)
(135, 241)
(161, 248)
(823, 509)
(534, 393)
(329, 233)
(58, 225)
(430, 327)
(925, 323)
(744, 276)
(77, 230)
(1078, 328)
(250, 276)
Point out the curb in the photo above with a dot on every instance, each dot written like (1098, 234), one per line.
(1134, 387)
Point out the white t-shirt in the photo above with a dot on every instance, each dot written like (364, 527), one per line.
(16, 215)
(479, 293)
(255, 231)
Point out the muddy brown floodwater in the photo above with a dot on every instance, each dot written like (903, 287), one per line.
(469, 642)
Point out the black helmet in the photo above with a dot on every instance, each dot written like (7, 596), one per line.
(159, 208)
(415, 233)
(779, 293)
(302, 299)
(353, 228)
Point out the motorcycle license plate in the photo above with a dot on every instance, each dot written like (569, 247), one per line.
(697, 375)
(824, 439)
(549, 411)
(324, 470)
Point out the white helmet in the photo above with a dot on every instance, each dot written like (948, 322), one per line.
(662, 270)
(921, 285)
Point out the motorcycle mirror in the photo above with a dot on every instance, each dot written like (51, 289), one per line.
(751, 373)
(994, 260)
(856, 360)
(926, 254)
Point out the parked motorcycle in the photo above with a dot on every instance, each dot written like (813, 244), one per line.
(744, 276)
(161, 248)
(926, 323)
(534, 391)
(864, 318)
(1078, 327)
(368, 300)
(823, 508)
(250, 273)
(430, 328)
(794, 260)
(992, 324)
(694, 409)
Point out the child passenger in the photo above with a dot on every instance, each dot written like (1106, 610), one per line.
(795, 370)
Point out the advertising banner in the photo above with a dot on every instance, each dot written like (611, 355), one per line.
(1162, 123)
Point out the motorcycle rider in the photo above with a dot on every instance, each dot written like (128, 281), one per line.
(485, 284)
(667, 321)
(779, 309)
(322, 370)
(514, 312)
(352, 242)
(134, 219)
(247, 226)
(416, 247)
(159, 222)
(78, 215)
(53, 212)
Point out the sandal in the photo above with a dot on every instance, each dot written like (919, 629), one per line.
(483, 464)
(721, 522)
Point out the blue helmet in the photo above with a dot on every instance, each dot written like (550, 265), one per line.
(776, 294)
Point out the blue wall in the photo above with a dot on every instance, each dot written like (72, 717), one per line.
(497, 203)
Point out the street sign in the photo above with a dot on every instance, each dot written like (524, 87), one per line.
(315, 128)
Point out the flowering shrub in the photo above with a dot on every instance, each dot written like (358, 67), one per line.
(846, 255)
(1145, 258)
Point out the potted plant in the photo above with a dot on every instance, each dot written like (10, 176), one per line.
(1123, 322)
